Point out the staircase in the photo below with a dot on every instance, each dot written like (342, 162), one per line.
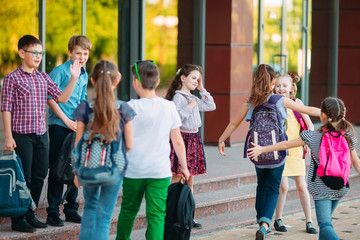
(225, 198)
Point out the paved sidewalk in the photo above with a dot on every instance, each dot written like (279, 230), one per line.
(345, 220)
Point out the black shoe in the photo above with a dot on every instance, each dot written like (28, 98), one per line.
(54, 221)
(196, 224)
(73, 217)
(279, 226)
(310, 228)
(33, 221)
(21, 225)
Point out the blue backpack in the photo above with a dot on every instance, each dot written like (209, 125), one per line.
(97, 161)
(266, 129)
(15, 197)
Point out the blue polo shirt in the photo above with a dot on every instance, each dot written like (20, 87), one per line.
(61, 76)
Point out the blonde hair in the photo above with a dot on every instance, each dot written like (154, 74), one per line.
(294, 80)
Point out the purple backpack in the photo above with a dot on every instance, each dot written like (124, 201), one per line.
(266, 129)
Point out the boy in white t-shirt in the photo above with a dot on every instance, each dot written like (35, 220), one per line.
(148, 171)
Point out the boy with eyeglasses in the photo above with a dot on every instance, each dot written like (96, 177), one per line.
(79, 47)
(23, 105)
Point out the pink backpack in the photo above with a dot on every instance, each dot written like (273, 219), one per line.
(334, 159)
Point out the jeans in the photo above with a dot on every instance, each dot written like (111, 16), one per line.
(57, 135)
(267, 192)
(98, 210)
(324, 210)
(155, 191)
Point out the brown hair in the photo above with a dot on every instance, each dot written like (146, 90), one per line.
(261, 88)
(28, 40)
(335, 111)
(294, 80)
(148, 72)
(81, 41)
(177, 83)
(106, 115)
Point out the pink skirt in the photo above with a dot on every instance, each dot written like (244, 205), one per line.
(195, 157)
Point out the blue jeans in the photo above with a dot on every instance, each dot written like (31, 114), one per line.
(324, 210)
(98, 210)
(267, 192)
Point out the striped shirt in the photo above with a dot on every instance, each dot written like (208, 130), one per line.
(318, 189)
(25, 96)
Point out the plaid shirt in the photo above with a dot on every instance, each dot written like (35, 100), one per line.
(25, 96)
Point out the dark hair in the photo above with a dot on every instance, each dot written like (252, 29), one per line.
(177, 83)
(261, 88)
(106, 115)
(335, 111)
(81, 41)
(148, 72)
(294, 80)
(28, 40)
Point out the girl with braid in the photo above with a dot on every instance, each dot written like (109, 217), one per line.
(326, 199)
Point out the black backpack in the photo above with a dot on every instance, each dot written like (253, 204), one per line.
(180, 210)
(63, 170)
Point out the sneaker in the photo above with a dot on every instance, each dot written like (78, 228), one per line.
(196, 224)
(261, 233)
(310, 228)
(55, 221)
(279, 226)
(21, 225)
(73, 217)
(33, 221)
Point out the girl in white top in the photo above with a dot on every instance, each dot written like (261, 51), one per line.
(187, 79)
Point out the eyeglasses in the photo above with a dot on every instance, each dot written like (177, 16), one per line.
(35, 53)
(136, 68)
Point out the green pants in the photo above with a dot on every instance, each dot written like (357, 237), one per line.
(155, 191)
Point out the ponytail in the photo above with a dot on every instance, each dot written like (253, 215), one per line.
(106, 115)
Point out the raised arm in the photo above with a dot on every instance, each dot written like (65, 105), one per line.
(257, 150)
(312, 111)
(57, 110)
(75, 71)
(231, 127)
(128, 134)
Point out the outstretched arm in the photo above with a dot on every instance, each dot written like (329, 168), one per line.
(312, 111)
(355, 161)
(233, 125)
(257, 150)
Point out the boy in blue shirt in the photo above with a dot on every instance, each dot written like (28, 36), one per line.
(61, 124)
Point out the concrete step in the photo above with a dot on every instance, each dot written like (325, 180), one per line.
(217, 209)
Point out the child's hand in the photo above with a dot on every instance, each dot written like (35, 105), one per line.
(75, 69)
(185, 173)
(200, 84)
(193, 103)
(307, 150)
(72, 125)
(10, 144)
(221, 147)
(76, 182)
(255, 151)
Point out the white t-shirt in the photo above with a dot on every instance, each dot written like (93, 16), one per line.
(149, 157)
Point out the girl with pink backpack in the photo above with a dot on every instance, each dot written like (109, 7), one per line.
(325, 195)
